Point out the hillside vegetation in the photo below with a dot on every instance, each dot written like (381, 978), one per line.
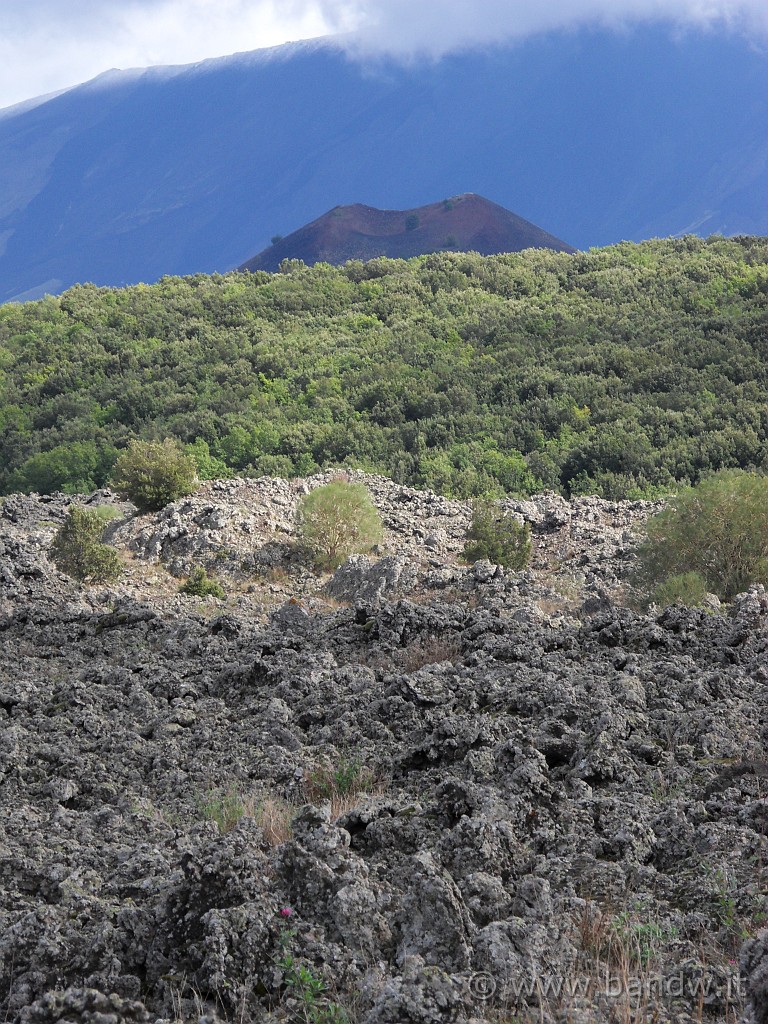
(617, 372)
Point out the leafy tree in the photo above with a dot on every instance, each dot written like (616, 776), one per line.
(497, 536)
(718, 530)
(338, 520)
(77, 549)
(152, 474)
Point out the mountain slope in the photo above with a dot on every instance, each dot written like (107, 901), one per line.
(463, 223)
(596, 137)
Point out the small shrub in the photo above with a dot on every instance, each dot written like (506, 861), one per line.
(304, 985)
(688, 588)
(718, 530)
(225, 808)
(639, 939)
(152, 474)
(199, 584)
(497, 536)
(346, 778)
(336, 521)
(77, 549)
(342, 784)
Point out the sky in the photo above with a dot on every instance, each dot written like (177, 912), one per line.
(47, 45)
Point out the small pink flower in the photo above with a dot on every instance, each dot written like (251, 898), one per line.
(732, 962)
(286, 912)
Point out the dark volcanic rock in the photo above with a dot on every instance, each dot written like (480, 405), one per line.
(447, 796)
(754, 964)
(89, 1006)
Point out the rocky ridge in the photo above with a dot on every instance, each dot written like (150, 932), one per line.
(443, 792)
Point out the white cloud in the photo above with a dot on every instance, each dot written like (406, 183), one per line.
(47, 45)
(50, 44)
(435, 27)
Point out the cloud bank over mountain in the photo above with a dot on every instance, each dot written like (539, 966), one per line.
(436, 27)
(46, 45)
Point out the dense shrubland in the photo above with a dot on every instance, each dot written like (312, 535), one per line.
(618, 372)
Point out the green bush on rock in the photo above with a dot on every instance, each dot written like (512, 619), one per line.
(337, 520)
(152, 474)
(77, 549)
(200, 584)
(497, 536)
(717, 530)
(687, 588)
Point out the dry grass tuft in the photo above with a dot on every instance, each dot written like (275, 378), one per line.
(429, 650)
(274, 815)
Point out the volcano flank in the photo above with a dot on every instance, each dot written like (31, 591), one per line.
(462, 223)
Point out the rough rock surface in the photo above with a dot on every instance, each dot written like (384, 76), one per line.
(370, 580)
(754, 962)
(418, 790)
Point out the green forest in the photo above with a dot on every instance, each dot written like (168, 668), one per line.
(619, 372)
